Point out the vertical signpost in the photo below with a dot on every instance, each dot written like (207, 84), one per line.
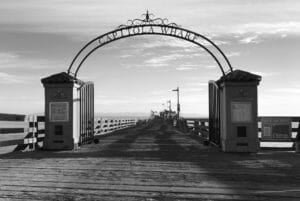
(178, 105)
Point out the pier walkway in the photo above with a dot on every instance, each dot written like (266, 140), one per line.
(150, 162)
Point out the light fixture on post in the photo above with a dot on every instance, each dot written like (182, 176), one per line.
(178, 104)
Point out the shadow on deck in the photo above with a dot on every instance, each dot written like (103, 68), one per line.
(170, 165)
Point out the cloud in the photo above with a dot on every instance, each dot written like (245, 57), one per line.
(159, 93)
(279, 102)
(81, 18)
(6, 78)
(9, 60)
(185, 68)
(292, 90)
(283, 35)
(251, 33)
(159, 60)
(216, 41)
(233, 54)
(250, 39)
(178, 43)
(114, 100)
(6, 58)
(166, 60)
(198, 84)
(158, 66)
(192, 87)
(163, 42)
(265, 74)
(162, 61)
(270, 28)
(16, 69)
(210, 66)
(173, 45)
(193, 99)
(195, 89)
(126, 56)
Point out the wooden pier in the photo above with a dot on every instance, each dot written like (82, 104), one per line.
(150, 162)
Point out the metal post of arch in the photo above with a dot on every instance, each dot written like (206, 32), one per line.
(148, 26)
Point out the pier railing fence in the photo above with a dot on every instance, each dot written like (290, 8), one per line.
(27, 132)
(104, 126)
(270, 128)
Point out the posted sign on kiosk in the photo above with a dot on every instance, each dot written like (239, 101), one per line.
(241, 111)
(276, 128)
(59, 111)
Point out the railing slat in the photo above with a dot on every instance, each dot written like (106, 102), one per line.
(11, 130)
(11, 142)
(11, 117)
(13, 124)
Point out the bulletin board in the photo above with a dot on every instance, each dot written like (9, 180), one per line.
(276, 128)
(59, 111)
(241, 112)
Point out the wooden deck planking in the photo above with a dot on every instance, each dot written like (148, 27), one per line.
(155, 163)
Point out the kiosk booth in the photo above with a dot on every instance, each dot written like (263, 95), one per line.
(234, 112)
(69, 111)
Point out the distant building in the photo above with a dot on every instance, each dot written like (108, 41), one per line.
(166, 114)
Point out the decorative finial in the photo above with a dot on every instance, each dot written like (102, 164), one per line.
(149, 19)
(147, 16)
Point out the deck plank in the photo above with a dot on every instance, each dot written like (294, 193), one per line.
(156, 162)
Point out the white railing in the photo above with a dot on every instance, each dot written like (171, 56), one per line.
(21, 131)
(108, 125)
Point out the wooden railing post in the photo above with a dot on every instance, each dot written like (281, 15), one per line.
(196, 127)
(31, 133)
(297, 140)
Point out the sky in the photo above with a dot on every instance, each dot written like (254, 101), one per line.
(137, 74)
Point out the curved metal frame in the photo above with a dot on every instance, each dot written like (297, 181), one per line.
(137, 27)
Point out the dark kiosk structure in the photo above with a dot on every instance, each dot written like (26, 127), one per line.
(69, 111)
(233, 112)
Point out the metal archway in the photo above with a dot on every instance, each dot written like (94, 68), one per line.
(148, 26)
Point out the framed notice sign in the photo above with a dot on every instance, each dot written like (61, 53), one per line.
(241, 112)
(59, 111)
(276, 128)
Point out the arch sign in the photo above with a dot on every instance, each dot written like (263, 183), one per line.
(150, 26)
(69, 102)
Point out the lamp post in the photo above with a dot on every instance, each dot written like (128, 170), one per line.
(178, 104)
(170, 107)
